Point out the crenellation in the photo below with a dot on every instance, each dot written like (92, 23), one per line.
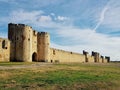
(27, 45)
(85, 52)
(43, 34)
(21, 25)
(35, 33)
(107, 58)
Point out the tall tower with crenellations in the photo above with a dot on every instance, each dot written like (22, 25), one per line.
(43, 46)
(20, 36)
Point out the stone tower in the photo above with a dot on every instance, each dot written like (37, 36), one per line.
(86, 55)
(96, 56)
(107, 58)
(43, 46)
(20, 36)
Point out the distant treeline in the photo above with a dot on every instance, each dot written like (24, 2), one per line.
(115, 61)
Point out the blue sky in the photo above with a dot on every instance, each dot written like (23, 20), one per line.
(74, 25)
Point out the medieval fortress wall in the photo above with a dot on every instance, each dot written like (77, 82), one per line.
(57, 55)
(4, 49)
(26, 45)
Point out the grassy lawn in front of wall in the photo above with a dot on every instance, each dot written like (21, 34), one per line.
(62, 77)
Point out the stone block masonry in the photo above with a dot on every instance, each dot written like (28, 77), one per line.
(27, 45)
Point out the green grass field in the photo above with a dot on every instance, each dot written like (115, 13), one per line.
(61, 77)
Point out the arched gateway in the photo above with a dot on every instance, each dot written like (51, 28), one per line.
(34, 57)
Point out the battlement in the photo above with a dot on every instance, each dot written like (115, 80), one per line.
(95, 53)
(85, 52)
(102, 57)
(107, 58)
(43, 33)
(35, 33)
(19, 25)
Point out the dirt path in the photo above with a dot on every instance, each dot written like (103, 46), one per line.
(25, 66)
(36, 65)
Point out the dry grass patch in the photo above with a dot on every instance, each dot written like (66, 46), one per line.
(5, 75)
(62, 77)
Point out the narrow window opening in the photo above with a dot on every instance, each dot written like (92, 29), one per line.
(4, 44)
(51, 61)
(53, 52)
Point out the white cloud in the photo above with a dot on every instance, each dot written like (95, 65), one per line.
(101, 18)
(61, 18)
(36, 18)
(89, 40)
(23, 16)
(52, 14)
(109, 16)
(45, 19)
